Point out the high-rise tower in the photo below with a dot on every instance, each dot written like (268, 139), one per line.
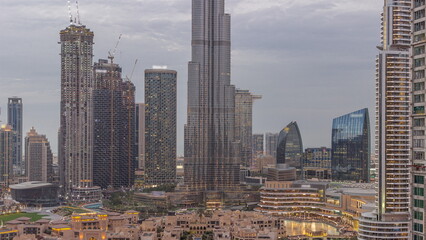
(7, 136)
(391, 219)
(418, 197)
(15, 119)
(210, 146)
(76, 129)
(38, 157)
(244, 100)
(160, 126)
(111, 153)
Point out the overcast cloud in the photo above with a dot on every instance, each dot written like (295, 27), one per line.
(312, 60)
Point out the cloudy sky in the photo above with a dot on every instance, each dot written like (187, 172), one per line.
(311, 60)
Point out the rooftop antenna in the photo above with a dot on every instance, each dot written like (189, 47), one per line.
(78, 12)
(69, 11)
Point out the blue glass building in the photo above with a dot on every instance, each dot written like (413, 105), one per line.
(350, 147)
(15, 119)
(290, 146)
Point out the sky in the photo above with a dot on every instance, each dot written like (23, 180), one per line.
(311, 60)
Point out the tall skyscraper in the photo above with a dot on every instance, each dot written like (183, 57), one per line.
(391, 219)
(211, 161)
(76, 128)
(160, 126)
(38, 157)
(140, 135)
(418, 121)
(271, 143)
(15, 119)
(350, 144)
(290, 146)
(111, 165)
(7, 137)
(244, 100)
(258, 145)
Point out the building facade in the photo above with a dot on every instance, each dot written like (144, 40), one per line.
(160, 126)
(111, 153)
(418, 120)
(76, 126)
(350, 144)
(317, 163)
(391, 218)
(38, 157)
(211, 162)
(258, 145)
(244, 100)
(140, 135)
(7, 137)
(290, 146)
(271, 142)
(15, 119)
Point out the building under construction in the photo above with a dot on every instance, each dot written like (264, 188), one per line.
(114, 124)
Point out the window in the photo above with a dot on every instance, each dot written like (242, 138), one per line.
(418, 3)
(419, 86)
(419, 14)
(419, 74)
(418, 227)
(419, 62)
(419, 179)
(418, 132)
(419, 37)
(419, 110)
(419, 203)
(419, 98)
(419, 156)
(418, 215)
(419, 50)
(417, 237)
(420, 122)
(419, 26)
(419, 191)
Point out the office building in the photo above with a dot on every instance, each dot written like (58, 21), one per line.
(350, 144)
(391, 218)
(111, 153)
(211, 151)
(7, 137)
(418, 80)
(271, 141)
(160, 126)
(76, 113)
(290, 146)
(140, 135)
(15, 119)
(317, 163)
(38, 157)
(244, 100)
(258, 149)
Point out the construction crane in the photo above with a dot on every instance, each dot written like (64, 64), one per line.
(111, 55)
(133, 70)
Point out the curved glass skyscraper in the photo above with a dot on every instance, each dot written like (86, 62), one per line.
(290, 146)
(350, 147)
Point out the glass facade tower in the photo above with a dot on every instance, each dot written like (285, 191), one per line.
(15, 119)
(350, 144)
(290, 146)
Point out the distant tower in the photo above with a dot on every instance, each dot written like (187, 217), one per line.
(15, 119)
(76, 128)
(7, 137)
(244, 100)
(140, 135)
(271, 142)
(258, 145)
(350, 144)
(290, 146)
(111, 165)
(38, 157)
(211, 151)
(160, 124)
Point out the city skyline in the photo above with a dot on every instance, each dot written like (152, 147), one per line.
(38, 87)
